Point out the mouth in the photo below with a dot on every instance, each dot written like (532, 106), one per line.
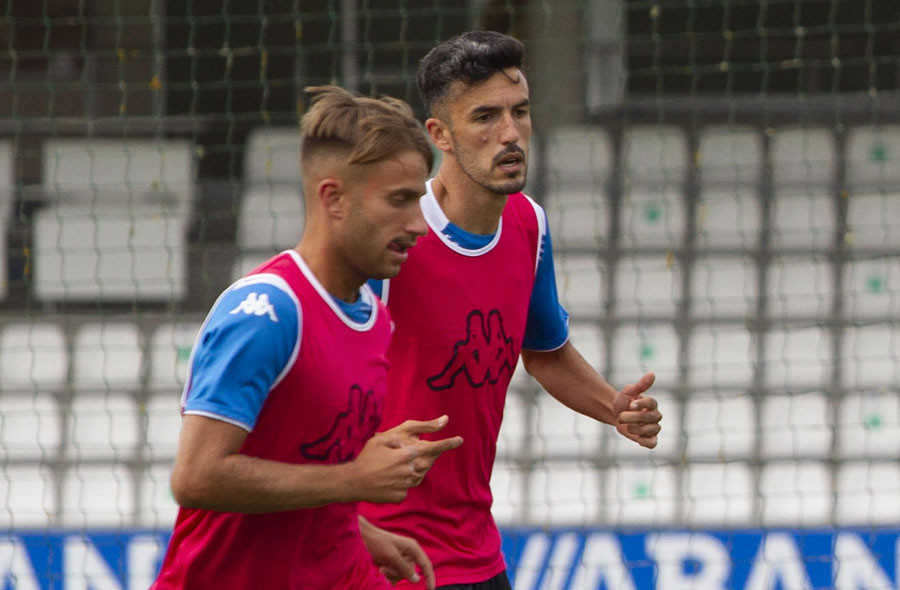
(401, 247)
(511, 162)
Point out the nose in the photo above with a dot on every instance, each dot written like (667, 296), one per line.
(416, 224)
(509, 132)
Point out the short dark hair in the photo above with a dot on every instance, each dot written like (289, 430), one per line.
(469, 58)
(369, 130)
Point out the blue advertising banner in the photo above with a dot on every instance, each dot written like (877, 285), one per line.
(558, 559)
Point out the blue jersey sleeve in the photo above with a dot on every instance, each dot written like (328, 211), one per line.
(248, 341)
(547, 327)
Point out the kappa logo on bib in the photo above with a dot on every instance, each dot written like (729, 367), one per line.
(482, 356)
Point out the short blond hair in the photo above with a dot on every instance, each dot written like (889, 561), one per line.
(368, 129)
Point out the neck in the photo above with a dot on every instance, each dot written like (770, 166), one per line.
(329, 269)
(466, 204)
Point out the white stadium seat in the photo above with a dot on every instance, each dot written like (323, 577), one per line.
(641, 348)
(867, 493)
(721, 356)
(873, 156)
(656, 154)
(652, 216)
(117, 225)
(796, 493)
(561, 432)
(873, 219)
(803, 156)
(158, 507)
(798, 357)
(722, 287)
(719, 494)
(869, 356)
(30, 426)
(872, 288)
(578, 155)
(273, 155)
(170, 352)
(29, 497)
(271, 218)
(507, 482)
(719, 427)
(107, 355)
(105, 426)
(33, 355)
(728, 217)
(729, 155)
(869, 424)
(640, 495)
(795, 426)
(647, 286)
(803, 218)
(800, 287)
(97, 496)
(577, 216)
(580, 283)
(564, 493)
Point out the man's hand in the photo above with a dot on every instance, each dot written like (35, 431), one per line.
(397, 557)
(393, 461)
(637, 416)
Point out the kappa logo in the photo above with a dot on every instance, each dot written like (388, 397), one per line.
(256, 304)
(350, 430)
(482, 357)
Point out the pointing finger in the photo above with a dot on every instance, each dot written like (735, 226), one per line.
(421, 427)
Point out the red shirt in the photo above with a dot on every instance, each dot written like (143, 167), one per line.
(322, 410)
(460, 318)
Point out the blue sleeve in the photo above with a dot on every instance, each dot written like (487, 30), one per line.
(547, 327)
(250, 336)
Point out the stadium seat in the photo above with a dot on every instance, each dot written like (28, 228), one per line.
(506, 488)
(867, 493)
(563, 493)
(587, 338)
(803, 156)
(869, 424)
(514, 428)
(107, 356)
(719, 495)
(647, 347)
(872, 288)
(798, 358)
(873, 156)
(577, 217)
(580, 283)
(578, 156)
(560, 432)
(803, 218)
(30, 426)
(873, 219)
(795, 426)
(647, 286)
(7, 194)
(640, 495)
(721, 356)
(33, 355)
(97, 496)
(29, 497)
(271, 218)
(795, 493)
(655, 154)
(728, 217)
(116, 227)
(158, 508)
(800, 287)
(104, 426)
(724, 287)
(652, 217)
(273, 156)
(170, 352)
(718, 426)
(869, 356)
(729, 155)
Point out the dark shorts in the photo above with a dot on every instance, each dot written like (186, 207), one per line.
(498, 582)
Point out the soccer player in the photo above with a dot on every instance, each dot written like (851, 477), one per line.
(477, 291)
(288, 378)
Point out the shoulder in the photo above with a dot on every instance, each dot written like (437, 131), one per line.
(263, 301)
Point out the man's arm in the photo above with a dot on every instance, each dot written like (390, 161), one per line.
(568, 377)
(211, 474)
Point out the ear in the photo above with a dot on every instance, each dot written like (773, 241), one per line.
(439, 132)
(330, 192)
